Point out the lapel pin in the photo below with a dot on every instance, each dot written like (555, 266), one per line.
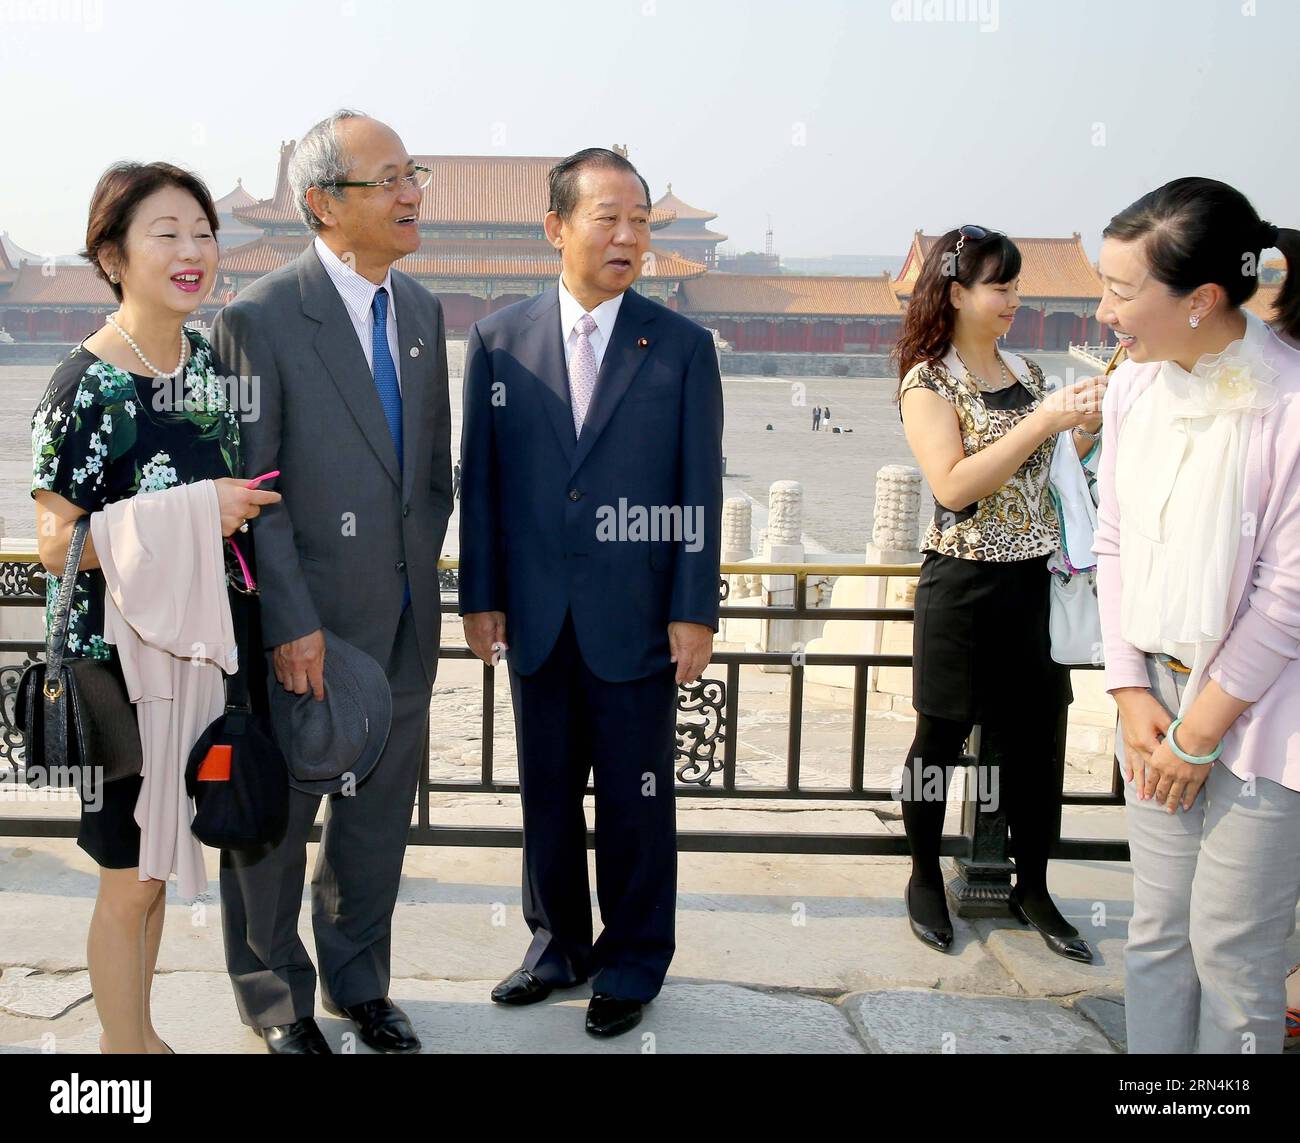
(415, 351)
(642, 342)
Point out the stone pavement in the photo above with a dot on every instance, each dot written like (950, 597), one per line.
(803, 953)
(775, 954)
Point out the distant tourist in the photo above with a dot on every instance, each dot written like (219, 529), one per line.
(817, 417)
(598, 635)
(152, 237)
(353, 380)
(1198, 546)
(983, 429)
(826, 415)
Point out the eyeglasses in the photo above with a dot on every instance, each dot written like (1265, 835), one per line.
(419, 178)
(237, 574)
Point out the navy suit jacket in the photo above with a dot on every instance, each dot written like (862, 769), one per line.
(549, 524)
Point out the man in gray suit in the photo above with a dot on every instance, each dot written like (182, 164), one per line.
(352, 408)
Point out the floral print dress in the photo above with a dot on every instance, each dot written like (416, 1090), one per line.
(101, 434)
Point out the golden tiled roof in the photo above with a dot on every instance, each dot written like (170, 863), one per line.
(235, 200)
(1050, 267)
(677, 233)
(793, 294)
(466, 190)
(683, 210)
(438, 258)
(63, 285)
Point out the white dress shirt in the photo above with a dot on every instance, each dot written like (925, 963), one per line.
(604, 315)
(358, 296)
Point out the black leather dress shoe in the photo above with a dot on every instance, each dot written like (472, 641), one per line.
(521, 987)
(1072, 948)
(939, 939)
(612, 1015)
(383, 1027)
(301, 1038)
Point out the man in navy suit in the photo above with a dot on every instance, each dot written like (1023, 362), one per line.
(591, 501)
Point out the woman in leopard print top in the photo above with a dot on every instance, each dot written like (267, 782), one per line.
(984, 428)
(1018, 520)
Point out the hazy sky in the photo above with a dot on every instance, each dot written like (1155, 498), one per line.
(849, 122)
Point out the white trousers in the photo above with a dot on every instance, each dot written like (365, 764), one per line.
(1215, 891)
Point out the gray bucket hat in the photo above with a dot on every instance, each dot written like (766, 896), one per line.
(324, 742)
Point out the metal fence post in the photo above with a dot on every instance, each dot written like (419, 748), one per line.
(982, 884)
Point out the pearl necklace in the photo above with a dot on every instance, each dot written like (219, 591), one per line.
(149, 365)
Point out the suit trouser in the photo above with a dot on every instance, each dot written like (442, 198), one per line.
(567, 723)
(354, 886)
(1215, 890)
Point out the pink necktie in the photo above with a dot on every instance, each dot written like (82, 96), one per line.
(582, 372)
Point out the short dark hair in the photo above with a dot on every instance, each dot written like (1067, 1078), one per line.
(119, 192)
(563, 177)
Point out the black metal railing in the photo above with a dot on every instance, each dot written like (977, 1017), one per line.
(707, 744)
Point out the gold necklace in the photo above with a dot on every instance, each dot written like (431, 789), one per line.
(982, 385)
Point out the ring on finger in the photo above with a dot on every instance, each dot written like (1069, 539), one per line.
(243, 525)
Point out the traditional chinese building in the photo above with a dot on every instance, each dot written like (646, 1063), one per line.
(45, 302)
(482, 244)
(689, 234)
(790, 313)
(483, 247)
(1059, 291)
(232, 231)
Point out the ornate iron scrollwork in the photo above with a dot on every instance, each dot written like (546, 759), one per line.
(448, 579)
(699, 737)
(11, 741)
(20, 578)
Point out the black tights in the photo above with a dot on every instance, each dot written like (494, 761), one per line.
(1029, 791)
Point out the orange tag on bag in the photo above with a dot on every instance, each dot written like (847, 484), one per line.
(215, 766)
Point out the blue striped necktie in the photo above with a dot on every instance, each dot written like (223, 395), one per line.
(390, 396)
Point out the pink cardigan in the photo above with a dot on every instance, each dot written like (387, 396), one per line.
(1259, 660)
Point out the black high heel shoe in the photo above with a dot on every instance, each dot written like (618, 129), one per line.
(1073, 948)
(939, 939)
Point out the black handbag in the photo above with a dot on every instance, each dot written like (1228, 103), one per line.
(78, 724)
(236, 773)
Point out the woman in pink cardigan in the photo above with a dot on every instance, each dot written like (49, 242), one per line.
(1198, 546)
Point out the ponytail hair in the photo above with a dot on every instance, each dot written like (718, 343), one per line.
(1287, 307)
(1201, 230)
(930, 318)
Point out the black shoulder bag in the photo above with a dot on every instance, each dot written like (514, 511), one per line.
(236, 774)
(78, 725)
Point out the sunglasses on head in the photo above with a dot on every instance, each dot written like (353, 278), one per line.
(974, 233)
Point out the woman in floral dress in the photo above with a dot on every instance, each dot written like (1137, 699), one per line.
(112, 424)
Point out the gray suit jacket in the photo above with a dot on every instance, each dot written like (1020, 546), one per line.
(334, 553)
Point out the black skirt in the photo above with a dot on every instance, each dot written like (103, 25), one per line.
(108, 830)
(981, 645)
